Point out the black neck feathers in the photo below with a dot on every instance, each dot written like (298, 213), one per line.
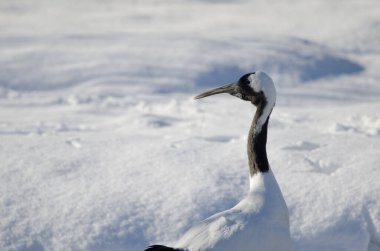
(257, 141)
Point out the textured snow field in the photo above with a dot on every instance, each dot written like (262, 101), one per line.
(103, 148)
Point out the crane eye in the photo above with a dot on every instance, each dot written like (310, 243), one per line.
(246, 81)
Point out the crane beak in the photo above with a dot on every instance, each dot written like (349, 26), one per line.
(228, 88)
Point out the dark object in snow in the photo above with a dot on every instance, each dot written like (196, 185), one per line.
(161, 248)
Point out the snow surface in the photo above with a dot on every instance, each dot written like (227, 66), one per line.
(103, 148)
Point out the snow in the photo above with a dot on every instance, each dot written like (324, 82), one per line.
(103, 148)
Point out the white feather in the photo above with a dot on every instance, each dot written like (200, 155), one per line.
(259, 222)
(261, 82)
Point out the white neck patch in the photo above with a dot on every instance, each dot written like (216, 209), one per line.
(261, 82)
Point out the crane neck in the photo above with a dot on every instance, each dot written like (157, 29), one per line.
(257, 140)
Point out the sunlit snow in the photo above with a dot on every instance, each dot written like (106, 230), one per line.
(103, 148)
